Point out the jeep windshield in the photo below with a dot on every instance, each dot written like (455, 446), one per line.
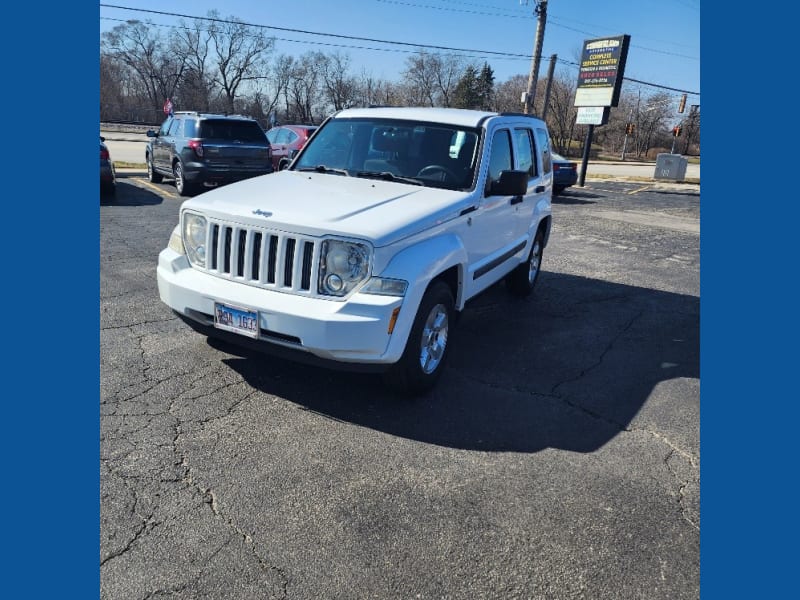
(413, 152)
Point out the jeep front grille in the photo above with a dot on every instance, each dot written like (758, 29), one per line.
(262, 258)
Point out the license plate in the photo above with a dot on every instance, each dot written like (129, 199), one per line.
(238, 320)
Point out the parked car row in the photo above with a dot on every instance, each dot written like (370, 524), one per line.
(203, 150)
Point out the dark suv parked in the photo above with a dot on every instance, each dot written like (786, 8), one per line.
(197, 149)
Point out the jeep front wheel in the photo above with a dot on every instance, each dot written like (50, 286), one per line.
(426, 349)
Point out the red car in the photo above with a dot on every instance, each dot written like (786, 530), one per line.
(286, 141)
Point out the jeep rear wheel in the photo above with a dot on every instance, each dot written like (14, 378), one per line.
(522, 279)
(152, 176)
(426, 349)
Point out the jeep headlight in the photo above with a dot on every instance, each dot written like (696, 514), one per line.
(194, 238)
(342, 266)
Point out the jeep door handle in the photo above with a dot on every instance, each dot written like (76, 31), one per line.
(516, 200)
(539, 189)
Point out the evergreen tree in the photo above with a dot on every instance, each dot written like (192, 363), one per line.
(485, 88)
(466, 94)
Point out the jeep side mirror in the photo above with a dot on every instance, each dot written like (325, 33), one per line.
(151, 133)
(511, 183)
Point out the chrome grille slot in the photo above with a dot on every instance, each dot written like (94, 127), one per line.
(256, 254)
(288, 262)
(264, 259)
(306, 266)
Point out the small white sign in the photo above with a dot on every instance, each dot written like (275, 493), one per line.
(599, 96)
(590, 115)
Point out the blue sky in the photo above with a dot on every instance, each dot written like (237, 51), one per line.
(665, 34)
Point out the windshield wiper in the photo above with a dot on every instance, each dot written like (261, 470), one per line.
(388, 176)
(324, 169)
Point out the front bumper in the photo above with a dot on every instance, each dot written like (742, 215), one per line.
(352, 331)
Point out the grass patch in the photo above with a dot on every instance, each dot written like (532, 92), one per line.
(121, 164)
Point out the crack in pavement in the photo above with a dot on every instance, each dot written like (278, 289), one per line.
(208, 494)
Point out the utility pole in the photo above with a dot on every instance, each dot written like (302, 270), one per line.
(550, 71)
(530, 96)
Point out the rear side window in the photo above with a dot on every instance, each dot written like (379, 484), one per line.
(190, 128)
(228, 129)
(544, 144)
(523, 140)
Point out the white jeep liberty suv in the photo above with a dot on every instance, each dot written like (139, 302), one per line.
(359, 255)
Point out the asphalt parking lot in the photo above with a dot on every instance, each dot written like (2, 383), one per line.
(558, 457)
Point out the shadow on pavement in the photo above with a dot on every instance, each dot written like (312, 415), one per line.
(128, 194)
(567, 369)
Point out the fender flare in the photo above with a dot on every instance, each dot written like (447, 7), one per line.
(419, 265)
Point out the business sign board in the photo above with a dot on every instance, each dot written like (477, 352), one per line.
(592, 115)
(601, 71)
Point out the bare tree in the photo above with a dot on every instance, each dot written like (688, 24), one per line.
(691, 129)
(419, 80)
(193, 42)
(340, 86)
(239, 53)
(154, 60)
(508, 93)
(561, 111)
(303, 93)
(373, 91)
(652, 116)
(430, 79)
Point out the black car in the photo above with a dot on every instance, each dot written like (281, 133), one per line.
(108, 175)
(565, 173)
(201, 149)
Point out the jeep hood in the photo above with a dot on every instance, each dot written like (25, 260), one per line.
(320, 204)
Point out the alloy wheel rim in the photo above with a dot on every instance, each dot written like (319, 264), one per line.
(533, 264)
(434, 339)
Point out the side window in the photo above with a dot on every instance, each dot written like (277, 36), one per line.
(523, 140)
(190, 128)
(500, 160)
(291, 136)
(165, 127)
(544, 144)
(175, 127)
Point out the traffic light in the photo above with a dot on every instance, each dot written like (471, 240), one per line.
(676, 131)
(682, 105)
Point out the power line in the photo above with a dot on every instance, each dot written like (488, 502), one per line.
(307, 32)
(554, 21)
(281, 39)
(481, 53)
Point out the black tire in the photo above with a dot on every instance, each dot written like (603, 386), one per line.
(424, 357)
(522, 280)
(557, 189)
(152, 176)
(183, 187)
(284, 164)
